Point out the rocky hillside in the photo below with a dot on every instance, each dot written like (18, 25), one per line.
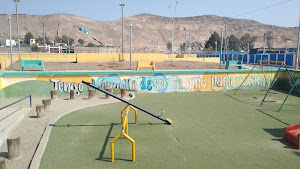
(149, 31)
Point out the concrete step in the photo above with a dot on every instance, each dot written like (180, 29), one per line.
(10, 118)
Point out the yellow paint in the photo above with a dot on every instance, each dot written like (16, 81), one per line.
(66, 78)
(1, 83)
(10, 80)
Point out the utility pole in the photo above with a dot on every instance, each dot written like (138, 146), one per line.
(44, 36)
(264, 43)
(16, 1)
(190, 43)
(173, 27)
(225, 37)
(122, 6)
(69, 44)
(221, 54)
(216, 43)
(185, 41)
(10, 44)
(298, 46)
(53, 43)
(130, 45)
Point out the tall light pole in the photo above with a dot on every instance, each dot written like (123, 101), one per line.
(16, 1)
(10, 44)
(264, 43)
(298, 46)
(122, 6)
(222, 30)
(185, 41)
(225, 37)
(216, 43)
(173, 27)
(44, 37)
(130, 44)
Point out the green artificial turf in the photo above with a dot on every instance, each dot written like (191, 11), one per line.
(210, 130)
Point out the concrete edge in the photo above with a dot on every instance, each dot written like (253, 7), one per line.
(37, 157)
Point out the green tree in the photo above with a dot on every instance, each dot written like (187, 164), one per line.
(27, 37)
(211, 41)
(81, 42)
(35, 48)
(269, 39)
(41, 40)
(182, 47)
(233, 43)
(169, 46)
(65, 39)
(91, 45)
(245, 40)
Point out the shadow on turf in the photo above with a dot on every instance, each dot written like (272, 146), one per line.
(278, 132)
(81, 125)
(259, 110)
(240, 100)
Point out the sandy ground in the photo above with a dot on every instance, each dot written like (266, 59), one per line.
(34, 132)
(167, 65)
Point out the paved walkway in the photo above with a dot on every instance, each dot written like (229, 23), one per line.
(34, 132)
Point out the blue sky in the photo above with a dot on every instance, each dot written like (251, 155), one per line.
(286, 14)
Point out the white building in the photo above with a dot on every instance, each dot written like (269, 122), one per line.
(6, 42)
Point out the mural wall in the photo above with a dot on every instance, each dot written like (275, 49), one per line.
(11, 85)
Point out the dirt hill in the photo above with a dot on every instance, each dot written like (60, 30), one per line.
(149, 31)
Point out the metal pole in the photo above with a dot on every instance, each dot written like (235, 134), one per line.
(130, 45)
(69, 44)
(190, 43)
(122, 5)
(53, 44)
(44, 37)
(221, 46)
(264, 43)
(216, 43)
(10, 44)
(173, 27)
(185, 41)
(225, 38)
(298, 48)
(18, 27)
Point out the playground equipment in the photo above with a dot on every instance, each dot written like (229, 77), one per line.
(295, 85)
(145, 64)
(124, 132)
(167, 121)
(261, 65)
(292, 135)
(272, 83)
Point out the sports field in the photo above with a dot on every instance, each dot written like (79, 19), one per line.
(210, 130)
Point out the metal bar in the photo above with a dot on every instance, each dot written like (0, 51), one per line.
(270, 86)
(292, 79)
(15, 103)
(289, 94)
(125, 101)
(245, 79)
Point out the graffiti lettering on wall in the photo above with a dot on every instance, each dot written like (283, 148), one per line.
(230, 82)
(66, 87)
(196, 83)
(158, 83)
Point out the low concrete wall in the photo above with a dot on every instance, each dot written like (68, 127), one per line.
(18, 84)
